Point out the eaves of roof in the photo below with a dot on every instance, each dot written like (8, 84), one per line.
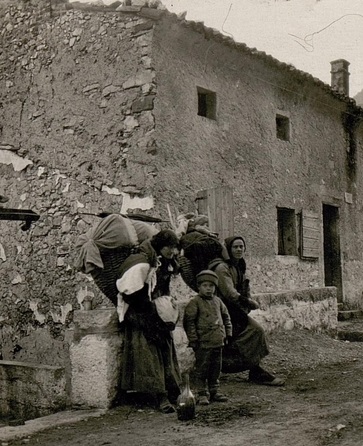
(217, 36)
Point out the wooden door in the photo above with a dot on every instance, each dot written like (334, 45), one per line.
(217, 204)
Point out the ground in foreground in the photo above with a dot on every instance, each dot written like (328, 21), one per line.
(321, 404)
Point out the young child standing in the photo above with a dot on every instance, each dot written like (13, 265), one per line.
(208, 327)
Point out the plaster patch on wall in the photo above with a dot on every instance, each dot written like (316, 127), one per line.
(23, 197)
(66, 188)
(19, 163)
(111, 190)
(2, 253)
(65, 310)
(40, 171)
(134, 202)
(348, 197)
(82, 294)
(79, 204)
(17, 279)
(84, 277)
(58, 176)
(130, 123)
(33, 305)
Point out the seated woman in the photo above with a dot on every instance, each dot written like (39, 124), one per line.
(149, 363)
(249, 345)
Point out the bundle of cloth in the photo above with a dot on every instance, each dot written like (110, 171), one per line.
(103, 249)
(199, 246)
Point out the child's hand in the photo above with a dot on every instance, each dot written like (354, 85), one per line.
(228, 340)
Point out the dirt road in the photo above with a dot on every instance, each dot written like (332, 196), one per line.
(321, 404)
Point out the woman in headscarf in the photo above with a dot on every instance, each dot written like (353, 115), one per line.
(249, 345)
(149, 362)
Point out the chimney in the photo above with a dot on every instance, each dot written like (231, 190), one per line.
(340, 76)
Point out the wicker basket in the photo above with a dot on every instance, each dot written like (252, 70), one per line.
(187, 273)
(105, 278)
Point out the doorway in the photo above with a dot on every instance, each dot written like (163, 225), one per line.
(332, 261)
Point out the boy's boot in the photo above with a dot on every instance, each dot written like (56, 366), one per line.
(218, 397)
(203, 399)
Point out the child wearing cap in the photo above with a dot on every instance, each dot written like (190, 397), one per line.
(208, 327)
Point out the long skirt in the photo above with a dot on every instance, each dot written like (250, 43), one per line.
(149, 367)
(246, 350)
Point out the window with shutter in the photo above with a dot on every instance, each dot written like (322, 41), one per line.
(286, 228)
(310, 235)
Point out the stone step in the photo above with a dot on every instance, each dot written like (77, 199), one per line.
(350, 330)
(351, 336)
(345, 315)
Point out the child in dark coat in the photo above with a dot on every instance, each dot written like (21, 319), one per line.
(208, 327)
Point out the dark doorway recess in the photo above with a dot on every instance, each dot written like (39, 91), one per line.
(332, 261)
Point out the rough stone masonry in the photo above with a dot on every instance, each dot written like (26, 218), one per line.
(76, 135)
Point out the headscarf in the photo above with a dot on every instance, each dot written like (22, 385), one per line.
(229, 242)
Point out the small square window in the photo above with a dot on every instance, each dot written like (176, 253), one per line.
(207, 101)
(286, 227)
(283, 127)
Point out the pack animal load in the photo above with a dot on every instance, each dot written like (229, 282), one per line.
(103, 249)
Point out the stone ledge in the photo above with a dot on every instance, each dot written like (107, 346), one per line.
(96, 321)
(345, 315)
(31, 427)
(310, 308)
(152, 13)
(31, 390)
(351, 336)
(288, 297)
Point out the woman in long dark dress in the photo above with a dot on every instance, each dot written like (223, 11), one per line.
(249, 344)
(149, 362)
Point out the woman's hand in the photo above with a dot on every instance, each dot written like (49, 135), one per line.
(252, 304)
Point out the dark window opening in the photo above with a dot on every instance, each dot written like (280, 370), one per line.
(283, 127)
(206, 103)
(286, 227)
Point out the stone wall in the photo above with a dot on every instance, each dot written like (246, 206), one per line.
(311, 309)
(76, 93)
(29, 390)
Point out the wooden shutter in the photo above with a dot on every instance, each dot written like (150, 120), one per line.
(310, 235)
(217, 203)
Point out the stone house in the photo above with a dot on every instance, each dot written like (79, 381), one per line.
(128, 108)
